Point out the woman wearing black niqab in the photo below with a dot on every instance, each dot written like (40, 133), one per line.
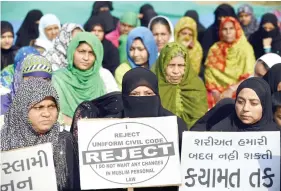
(258, 39)
(29, 28)
(219, 112)
(253, 109)
(200, 28)
(8, 50)
(111, 58)
(273, 78)
(147, 12)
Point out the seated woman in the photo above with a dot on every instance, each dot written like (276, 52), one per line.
(276, 107)
(32, 120)
(181, 90)
(268, 37)
(264, 63)
(111, 61)
(162, 30)
(57, 54)
(273, 78)
(84, 79)
(229, 62)
(186, 34)
(141, 51)
(253, 109)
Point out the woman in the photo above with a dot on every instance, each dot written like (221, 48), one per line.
(273, 78)
(29, 28)
(229, 62)
(276, 108)
(141, 51)
(111, 61)
(211, 35)
(186, 34)
(49, 27)
(162, 30)
(8, 51)
(57, 54)
(268, 37)
(180, 89)
(253, 109)
(7, 73)
(220, 111)
(200, 27)
(264, 63)
(247, 20)
(32, 120)
(32, 66)
(84, 79)
(146, 13)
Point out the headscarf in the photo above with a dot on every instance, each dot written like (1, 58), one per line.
(227, 64)
(45, 21)
(29, 28)
(276, 101)
(187, 99)
(57, 55)
(196, 52)
(7, 55)
(253, 25)
(219, 112)
(7, 74)
(18, 132)
(130, 18)
(99, 4)
(148, 41)
(148, 13)
(257, 38)
(31, 65)
(211, 35)
(200, 27)
(233, 123)
(171, 26)
(75, 86)
(270, 59)
(273, 77)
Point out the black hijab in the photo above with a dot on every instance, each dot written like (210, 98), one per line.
(148, 13)
(256, 39)
(7, 55)
(200, 28)
(29, 29)
(107, 106)
(273, 77)
(211, 35)
(233, 123)
(111, 58)
(221, 110)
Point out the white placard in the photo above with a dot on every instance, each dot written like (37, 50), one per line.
(123, 153)
(223, 161)
(30, 168)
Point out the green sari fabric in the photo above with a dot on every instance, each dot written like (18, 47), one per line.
(188, 99)
(75, 86)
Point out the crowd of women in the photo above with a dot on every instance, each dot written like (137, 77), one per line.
(223, 78)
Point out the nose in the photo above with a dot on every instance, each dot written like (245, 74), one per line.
(86, 56)
(46, 113)
(246, 106)
(176, 70)
(136, 53)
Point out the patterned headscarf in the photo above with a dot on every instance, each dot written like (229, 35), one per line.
(18, 132)
(57, 55)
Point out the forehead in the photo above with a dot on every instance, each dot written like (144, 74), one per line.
(186, 30)
(228, 24)
(52, 26)
(268, 24)
(137, 42)
(8, 33)
(247, 93)
(97, 27)
(158, 27)
(142, 88)
(47, 101)
(244, 14)
(84, 46)
(177, 60)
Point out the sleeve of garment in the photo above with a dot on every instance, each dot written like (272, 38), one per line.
(109, 81)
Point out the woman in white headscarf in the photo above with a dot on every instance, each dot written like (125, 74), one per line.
(264, 63)
(49, 27)
(163, 31)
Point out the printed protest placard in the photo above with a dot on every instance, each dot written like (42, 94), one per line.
(122, 153)
(30, 168)
(222, 161)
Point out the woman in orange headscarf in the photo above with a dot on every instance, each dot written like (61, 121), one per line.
(229, 61)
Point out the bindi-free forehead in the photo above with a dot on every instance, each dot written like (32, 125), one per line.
(248, 94)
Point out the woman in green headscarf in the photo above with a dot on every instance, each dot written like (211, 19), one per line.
(84, 78)
(128, 21)
(181, 90)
